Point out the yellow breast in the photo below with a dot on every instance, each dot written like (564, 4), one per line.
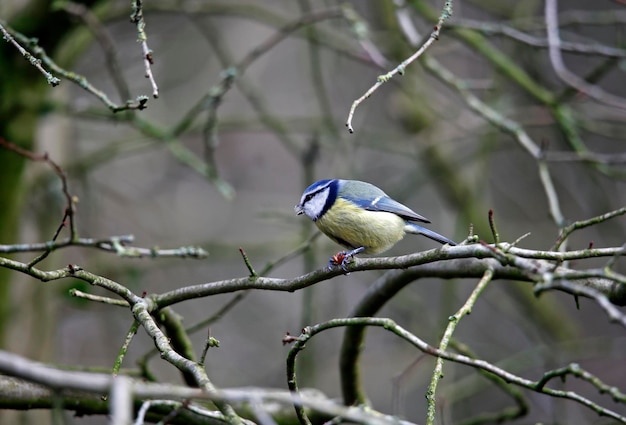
(353, 227)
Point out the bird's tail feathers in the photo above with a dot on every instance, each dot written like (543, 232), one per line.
(419, 230)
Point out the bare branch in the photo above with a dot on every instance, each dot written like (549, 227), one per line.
(434, 35)
(69, 199)
(531, 40)
(445, 340)
(568, 230)
(391, 326)
(42, 57)
(6, 34)
(137, 18)
(114, 244)
(554, 49)
(97, 383)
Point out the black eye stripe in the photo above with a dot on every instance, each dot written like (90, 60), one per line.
(311, 195)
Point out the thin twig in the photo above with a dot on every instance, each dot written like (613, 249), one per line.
(51, 79)
(434, 35)
(568, 230)
(148, 60)
(574, 369)
(445, 340)
(246, 260)
(115, 244)
(73, 292)
(210, 342)
(556, 59)
(70, 200)
(37, 51)
(494, 229)
(124, 348)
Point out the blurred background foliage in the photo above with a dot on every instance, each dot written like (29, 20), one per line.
(190, 171)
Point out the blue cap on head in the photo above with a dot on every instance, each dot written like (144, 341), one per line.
(316, 185)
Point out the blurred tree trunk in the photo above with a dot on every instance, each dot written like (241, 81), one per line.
(23, 94)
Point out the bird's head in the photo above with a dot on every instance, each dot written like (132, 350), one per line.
(318, 198)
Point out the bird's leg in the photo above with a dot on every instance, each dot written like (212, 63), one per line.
(336, 259)
(344, 257)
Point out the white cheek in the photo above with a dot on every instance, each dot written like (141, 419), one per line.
(315, 206)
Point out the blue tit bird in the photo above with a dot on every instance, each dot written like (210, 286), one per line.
(360, 217)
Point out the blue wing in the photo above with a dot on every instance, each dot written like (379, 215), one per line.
(371, 198)
(387, 204)
(381, 202)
